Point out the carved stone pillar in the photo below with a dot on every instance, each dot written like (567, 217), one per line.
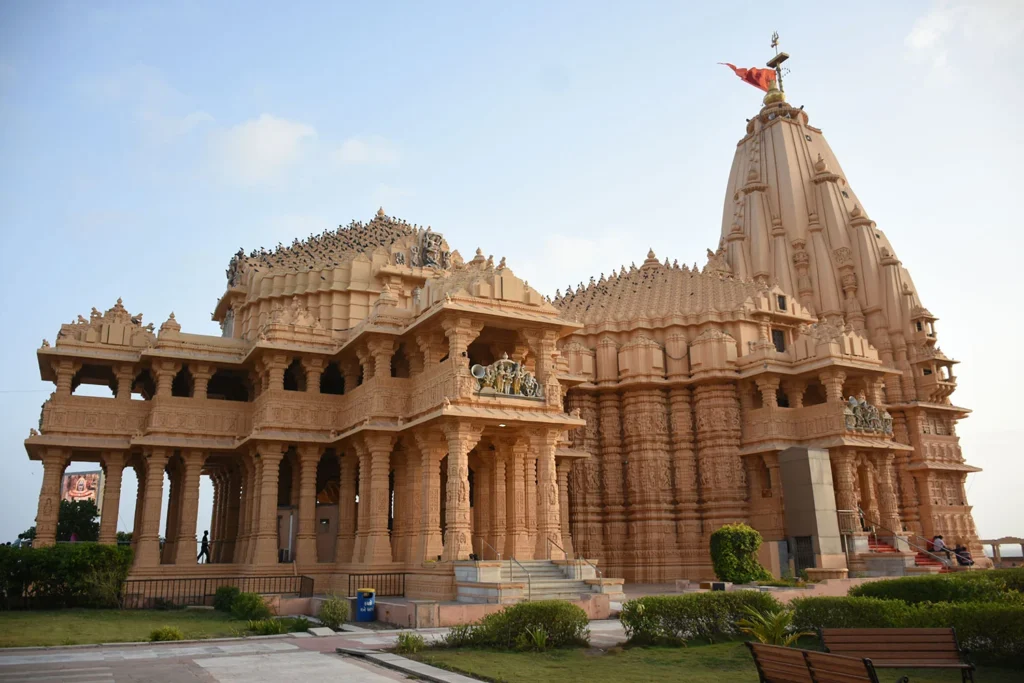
(461, 437)
(216, 528)
(517, 538)
(189, 507)
(481, 509)
(314, 367)
(382, 349)
(247, 500)
(148, 551)
(769, 387)
(549, 526)
(163, 374)
(460, 332)
(723, 484)
(55, 461)
(586, 515)
(433, 447)
(344, 543)
(499, 503)
(401, 487)
(125, 376)
(887, 505)
(684, 466)
(615, 531)
(366, 363)
(412, 505)
(174, 479)
(269, 455)
(795, 389)
(65, 370)
(377, 548)
(232, 506)
(844, 472)
(869, 491)
(651, 542)
(363, 506)
(564, 467)
(201, 375)
(305, 539)
(350, 372)
(113, 466)
(833, 381)
(776, 530)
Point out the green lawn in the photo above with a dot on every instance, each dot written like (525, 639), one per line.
(77, 626)
(694, 664)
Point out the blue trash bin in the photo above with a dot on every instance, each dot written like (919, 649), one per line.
(366, 606)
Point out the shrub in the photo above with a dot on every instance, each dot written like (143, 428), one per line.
(298, 624)
(815, 613)
(224, 598)
(267, 627)
(333, 612)
(550, 623)
(564, 624)
(165, 604)
(409, 643)
(733, 554)
(992, 631)
(166, 633)
(250, 606)
(678, 618)
(65, 575)
(964, 587)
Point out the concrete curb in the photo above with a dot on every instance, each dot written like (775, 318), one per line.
(407, 666)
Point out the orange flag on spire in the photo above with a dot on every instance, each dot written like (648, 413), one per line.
(759, 78)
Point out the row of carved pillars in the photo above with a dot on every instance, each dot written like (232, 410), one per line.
(665, 473)
(868, 480)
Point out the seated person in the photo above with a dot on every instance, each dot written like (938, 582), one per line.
(963, 556)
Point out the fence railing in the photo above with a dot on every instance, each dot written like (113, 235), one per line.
(144, 593)
(389, 584)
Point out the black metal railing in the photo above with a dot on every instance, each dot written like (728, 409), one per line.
(148, 593)
(392, 584)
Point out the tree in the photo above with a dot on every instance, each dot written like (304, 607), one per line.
(78, 518)
(734, 554)
(28, 534)
(124, 537)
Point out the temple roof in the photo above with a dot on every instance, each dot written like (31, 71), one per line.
(656, 289)
(329, 248)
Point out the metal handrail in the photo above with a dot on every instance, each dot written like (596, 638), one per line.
(576, 564)
(577, 559)
(943, 560)
(529, 582)
(492, 548)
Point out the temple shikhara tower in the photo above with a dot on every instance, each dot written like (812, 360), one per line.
(379, 405)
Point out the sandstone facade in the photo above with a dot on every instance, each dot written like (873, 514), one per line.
(378, 404)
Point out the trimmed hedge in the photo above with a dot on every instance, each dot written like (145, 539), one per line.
(250, 607)
(992, 631)
(63, 575)
(678, 618)
(224, 598)
(734, 554)
(979, 586)
(565, 624)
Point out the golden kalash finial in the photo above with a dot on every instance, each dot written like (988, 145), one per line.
(775, 90)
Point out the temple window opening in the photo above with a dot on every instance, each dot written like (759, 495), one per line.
(331, 380)
(295, 377)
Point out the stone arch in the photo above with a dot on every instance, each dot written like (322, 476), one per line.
(295, 376)
(332, 381)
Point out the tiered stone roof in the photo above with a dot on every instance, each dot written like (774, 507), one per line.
(330, 248)
(654, 290)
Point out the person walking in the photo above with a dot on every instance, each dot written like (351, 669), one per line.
(204, 548)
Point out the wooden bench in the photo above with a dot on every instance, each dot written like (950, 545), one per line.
(904, 648)
(788, 665)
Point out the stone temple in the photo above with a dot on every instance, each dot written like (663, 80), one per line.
(379, 404)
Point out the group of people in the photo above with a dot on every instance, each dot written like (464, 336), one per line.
(963, 556)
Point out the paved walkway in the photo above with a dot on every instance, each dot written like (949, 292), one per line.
(249, 660)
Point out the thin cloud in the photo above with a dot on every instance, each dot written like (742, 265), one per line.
(368, 151)
(258, 151)
(993, 24)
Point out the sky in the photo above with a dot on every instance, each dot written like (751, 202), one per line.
(141, 144)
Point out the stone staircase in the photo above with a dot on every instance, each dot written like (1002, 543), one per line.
(547, 581)
(921, 559)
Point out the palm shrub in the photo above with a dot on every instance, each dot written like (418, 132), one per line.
(771, 627)
(733, 554)
(334, 611)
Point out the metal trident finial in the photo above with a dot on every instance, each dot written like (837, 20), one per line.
(775, 41)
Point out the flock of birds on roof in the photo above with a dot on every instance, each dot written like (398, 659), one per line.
(331, 246)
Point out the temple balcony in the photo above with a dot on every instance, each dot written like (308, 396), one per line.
(816, 422)
(198, 417)
(936, 387)
(91, 416)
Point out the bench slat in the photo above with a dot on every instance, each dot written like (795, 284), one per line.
(931, 648)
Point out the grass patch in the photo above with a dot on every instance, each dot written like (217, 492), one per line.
(80, 626)
(721, 662)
